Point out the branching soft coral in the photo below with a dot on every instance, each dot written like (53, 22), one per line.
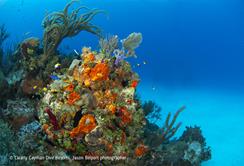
(169, 129)
(59, 25)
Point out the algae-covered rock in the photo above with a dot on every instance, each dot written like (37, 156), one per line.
(31, 85)
(18, 112)
(29, 47)
(9, 144)
(15, 77)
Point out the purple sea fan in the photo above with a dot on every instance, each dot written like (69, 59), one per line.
(52, 118)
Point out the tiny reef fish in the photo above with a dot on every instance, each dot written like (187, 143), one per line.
(54, 77)
(76, 52)
(27, 33)
(57, 65)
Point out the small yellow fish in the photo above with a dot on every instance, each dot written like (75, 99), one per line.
(44, 89)
(57, 65)
(54, 90)
(34, 87)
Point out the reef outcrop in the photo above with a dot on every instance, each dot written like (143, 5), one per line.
(85, 105)
(94, 97)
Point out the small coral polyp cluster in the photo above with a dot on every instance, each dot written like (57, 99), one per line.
(92, 108)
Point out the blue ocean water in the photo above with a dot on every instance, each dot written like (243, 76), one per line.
(193, 52)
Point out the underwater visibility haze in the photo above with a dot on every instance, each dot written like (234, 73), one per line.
(122, 82)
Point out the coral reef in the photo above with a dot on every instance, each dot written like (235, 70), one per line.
(194, 135)
(25, 138)
(63, 106)
(91, 108)
(18, 112)
(37, 64)
(28, 134)
(189, 150)
(9, 144)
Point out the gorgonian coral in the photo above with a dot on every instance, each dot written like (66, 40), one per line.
(59, 25)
